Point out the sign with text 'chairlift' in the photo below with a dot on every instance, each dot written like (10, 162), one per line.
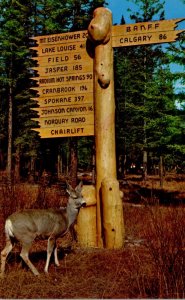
(65, 69)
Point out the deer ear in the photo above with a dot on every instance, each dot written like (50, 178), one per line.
(69, 188)
(78, 188)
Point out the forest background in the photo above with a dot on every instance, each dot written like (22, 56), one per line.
(150, 112)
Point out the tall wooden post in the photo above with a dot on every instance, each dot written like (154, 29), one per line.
(99, 32)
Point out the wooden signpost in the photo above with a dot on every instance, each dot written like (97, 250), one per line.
(70, 83)
(65, 74)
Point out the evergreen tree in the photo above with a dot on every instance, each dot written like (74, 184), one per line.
(14, 18)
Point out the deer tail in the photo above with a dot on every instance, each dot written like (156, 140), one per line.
(9, 229)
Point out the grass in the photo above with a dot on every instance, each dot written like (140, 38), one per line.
(151, 265)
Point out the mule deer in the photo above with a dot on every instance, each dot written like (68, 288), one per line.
(26, 225)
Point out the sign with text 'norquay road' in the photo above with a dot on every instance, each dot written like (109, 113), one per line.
(65, 85)
(65, 69)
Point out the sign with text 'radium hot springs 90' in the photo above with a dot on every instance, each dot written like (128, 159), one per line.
(65, 74)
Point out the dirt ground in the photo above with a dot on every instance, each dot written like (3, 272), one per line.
(150, 265)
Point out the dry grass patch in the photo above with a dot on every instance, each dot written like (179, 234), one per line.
(151, 265)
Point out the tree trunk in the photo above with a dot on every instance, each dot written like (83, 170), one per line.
(73, 162)
(17, 165)
(32, 170)
(145, 161)
(161, 175)
(9, 155)
(59, 163)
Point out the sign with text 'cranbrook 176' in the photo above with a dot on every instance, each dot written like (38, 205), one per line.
(64, 85)
(65, 69)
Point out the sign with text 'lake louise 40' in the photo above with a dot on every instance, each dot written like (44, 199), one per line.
(65, 74)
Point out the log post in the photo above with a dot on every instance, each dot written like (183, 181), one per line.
(113, 226)
(99, 31)
(86, 221)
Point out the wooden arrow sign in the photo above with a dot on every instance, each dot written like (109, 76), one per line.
(87, 130)
(64, 59)
(64, 79)
(64, 100)
(67, 37)
(67, 110)
(65, 121)
(73, 47)
(146, 38)
(60, 69)
(70, 89)
(145, 27)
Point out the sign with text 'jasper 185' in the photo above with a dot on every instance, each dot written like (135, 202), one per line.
(65, 85)
(65, 74)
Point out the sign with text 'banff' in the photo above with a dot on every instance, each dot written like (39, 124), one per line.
(65, 69)
(65, 85)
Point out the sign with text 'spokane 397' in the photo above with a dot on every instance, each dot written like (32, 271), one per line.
(65, 69)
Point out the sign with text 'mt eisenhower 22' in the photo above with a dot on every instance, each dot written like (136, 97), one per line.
(64, 85)
(65, 69)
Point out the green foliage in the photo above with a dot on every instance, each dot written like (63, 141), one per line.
(147, 116)
(20, 20)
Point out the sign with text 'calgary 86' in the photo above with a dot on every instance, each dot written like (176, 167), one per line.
(64, 85)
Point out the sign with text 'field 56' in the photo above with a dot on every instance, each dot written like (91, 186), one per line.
(65, 74)
(64, 85)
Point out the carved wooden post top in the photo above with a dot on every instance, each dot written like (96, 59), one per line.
(99, 29)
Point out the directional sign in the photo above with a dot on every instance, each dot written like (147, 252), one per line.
(65, 120)
(68, 89)
(66, 131)
(49, 70)
(63, 100)
(64, 110)
(145, 27)
(63, 58)
(64, 79)
(60, 48)
(147, 38)
(67, 37)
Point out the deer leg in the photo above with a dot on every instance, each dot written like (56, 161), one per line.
(51, 245)
(56, 256)
(24, 255)
(4, 254)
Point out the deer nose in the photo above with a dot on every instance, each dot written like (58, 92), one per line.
(83, 204)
